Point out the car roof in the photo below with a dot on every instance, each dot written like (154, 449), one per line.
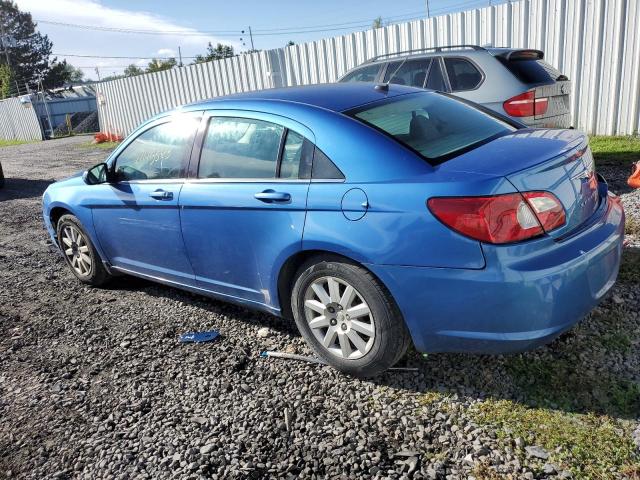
(337, 97)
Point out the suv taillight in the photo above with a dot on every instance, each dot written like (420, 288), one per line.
(508, 218)
(526, 105)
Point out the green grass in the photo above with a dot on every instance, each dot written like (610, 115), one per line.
(630, 266)
(591, 446)
(8, 143)
(617, 341)
(560, 383)
(615, 150)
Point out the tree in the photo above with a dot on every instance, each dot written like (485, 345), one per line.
(61, 73)
(218, 53)
(377, 22)
(7, 83)
(30, 56)
(158, 65)
(132, 70)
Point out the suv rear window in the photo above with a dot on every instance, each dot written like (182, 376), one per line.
(532, 71)
(434, 125)
(409, 72)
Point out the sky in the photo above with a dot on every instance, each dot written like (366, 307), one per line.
(162, 26)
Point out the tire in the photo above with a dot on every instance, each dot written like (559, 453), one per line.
(1, 177)
(383, 335)
(79, 252)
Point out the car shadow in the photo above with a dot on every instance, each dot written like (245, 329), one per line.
(579, 372)
(18, 188)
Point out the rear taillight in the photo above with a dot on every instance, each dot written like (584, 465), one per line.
(526, 105)
(500, 218)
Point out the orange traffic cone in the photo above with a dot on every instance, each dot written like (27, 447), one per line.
(634, 179)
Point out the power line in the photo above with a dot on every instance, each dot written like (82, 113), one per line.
(111, 57)
(266, 32)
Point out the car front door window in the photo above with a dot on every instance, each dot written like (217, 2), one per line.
(158, 153)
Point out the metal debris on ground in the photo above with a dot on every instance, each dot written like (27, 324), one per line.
(199, 337)
(292, 356)
(303, 358)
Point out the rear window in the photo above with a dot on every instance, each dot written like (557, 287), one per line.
(434, 125)
(532, 71)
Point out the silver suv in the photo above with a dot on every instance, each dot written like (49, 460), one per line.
(514, 82)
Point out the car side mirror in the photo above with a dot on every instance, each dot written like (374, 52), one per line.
(96, 175)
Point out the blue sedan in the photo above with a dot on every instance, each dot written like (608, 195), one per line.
(372, 215)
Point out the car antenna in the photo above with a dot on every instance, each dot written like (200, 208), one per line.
(384, 87)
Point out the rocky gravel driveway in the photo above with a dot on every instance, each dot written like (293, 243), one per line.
(94, 383)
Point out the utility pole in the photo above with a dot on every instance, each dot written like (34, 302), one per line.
(428, 14)
(98, 73)
(251, 37)
(180, 55)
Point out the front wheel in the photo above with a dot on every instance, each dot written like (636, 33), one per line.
(348, 317)
(79, 252)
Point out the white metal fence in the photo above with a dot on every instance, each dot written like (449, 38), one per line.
(18, 121)
(596, 43)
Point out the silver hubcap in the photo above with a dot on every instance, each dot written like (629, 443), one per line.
(339, 317)
(76, 250)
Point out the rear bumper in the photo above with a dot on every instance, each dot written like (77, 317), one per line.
(528, 294)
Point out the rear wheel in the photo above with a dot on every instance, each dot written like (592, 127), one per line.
(1, 177)
(79, 252)
(348, 317)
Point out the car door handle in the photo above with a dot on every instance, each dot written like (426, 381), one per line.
(271, 196)
(161, 195)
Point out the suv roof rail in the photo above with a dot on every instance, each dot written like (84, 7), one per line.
(428, 49)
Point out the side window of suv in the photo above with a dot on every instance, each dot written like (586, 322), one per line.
(367, 73)
(158, 153)
(463, 75)
(410, 72)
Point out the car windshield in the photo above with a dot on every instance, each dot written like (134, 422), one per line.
(436, 126)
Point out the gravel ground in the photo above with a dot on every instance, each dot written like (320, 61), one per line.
(94, 384)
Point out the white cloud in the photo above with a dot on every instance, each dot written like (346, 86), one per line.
(68, 40)
(167, 52)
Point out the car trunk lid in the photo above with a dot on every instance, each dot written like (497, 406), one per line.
(556, 161)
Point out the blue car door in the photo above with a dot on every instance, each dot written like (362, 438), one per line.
(243, 212)
(136, 216)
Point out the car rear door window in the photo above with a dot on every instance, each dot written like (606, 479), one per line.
(463, 75)
(160, 152)
(436, 78)
(240, 148)
(297, 157)
(367, 73)
(409, 72)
